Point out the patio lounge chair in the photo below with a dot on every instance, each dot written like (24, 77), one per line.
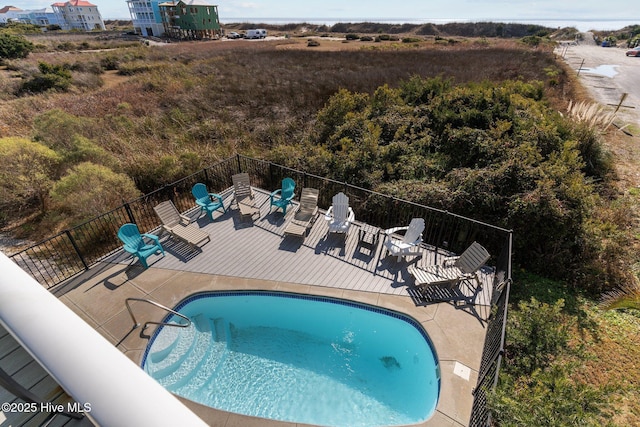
(305, 215)
(453, 271)
(340, 215)
(135, 244)
(243, 195)
(208, 202)
(180, 226)
(281, 198)
(407, 245)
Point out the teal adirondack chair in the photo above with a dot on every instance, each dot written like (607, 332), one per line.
(135, 244)
(208, 202)
(282, 197)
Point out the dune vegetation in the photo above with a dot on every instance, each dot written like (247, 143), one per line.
(478, 126)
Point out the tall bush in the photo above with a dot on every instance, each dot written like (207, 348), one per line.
(27, 173)
(14, 46)
(89, 189)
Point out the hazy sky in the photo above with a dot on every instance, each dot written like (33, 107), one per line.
(480, 10)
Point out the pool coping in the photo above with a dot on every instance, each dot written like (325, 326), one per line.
(456, 333)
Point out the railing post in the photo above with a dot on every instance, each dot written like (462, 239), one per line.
(270, 174)
(238, 160)
(75, 247)
(127, 208)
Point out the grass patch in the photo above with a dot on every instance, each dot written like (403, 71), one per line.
(599, 361)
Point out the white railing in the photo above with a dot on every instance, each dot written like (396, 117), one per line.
(91, 370)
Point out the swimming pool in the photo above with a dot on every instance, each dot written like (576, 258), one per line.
(298, 358)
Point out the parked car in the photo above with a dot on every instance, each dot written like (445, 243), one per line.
(634, 52)
(234, 35)
(256, 34)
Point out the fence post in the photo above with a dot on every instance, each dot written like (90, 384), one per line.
(238, 160)
(75, 247)
(129, 212)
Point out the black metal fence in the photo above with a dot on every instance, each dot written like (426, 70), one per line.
(73, 251)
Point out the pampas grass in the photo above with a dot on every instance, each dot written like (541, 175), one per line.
(592, 114)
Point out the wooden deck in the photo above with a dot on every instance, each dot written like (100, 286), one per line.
(258, 249)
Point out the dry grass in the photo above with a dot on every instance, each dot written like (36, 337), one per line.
(614, 352)
(593, 114)
(215, 98)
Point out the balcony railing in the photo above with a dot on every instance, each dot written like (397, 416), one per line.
(73, 251)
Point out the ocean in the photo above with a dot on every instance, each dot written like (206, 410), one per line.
(580, 24)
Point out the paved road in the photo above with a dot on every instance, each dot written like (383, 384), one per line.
(608, 74)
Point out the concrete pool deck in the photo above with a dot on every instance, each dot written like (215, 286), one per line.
(98, 296)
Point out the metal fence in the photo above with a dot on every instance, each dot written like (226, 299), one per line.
(73, 251)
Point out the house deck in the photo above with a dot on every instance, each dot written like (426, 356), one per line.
(253, 253)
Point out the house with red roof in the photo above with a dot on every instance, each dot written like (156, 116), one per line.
(78, 15)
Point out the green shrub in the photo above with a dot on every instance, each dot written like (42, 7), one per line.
(27, 173)
(134, 67)
(352, 36)
(109, 62)
(58, 129)
(411, 40)
(45, 83)
(14, 47)
(496, 148)
(89, 189)
(531, 40)
(366, 39)
(53, 77)
(537, 336)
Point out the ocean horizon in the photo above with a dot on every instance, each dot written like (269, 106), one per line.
(580, 24)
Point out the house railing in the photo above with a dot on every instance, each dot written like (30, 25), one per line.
(60, 257)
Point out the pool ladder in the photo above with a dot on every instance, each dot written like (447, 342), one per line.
(150, 322)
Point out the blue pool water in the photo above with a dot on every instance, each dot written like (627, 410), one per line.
(298, 358)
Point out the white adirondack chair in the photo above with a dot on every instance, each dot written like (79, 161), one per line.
(340, 215)
(407, 245)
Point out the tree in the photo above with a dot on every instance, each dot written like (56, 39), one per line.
(27, 173)
(14, 47)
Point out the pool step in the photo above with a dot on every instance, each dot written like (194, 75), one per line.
(207, 369)
(164, 343)
(193, 359)
(165, 362)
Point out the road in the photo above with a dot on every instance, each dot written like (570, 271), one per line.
(608, 74)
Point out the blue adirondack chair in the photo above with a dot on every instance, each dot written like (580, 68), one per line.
(135, 244)
(281, 198)
(208, 202)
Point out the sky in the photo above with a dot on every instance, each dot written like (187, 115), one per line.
(403, 10)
